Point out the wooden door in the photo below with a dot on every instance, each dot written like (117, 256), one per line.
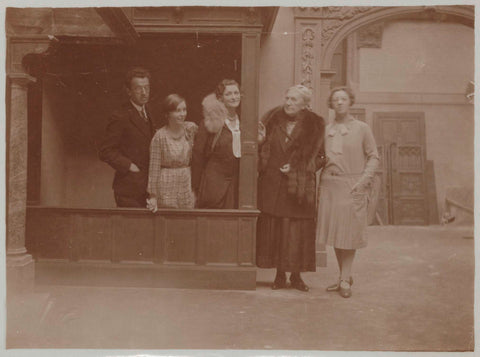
(400, 138)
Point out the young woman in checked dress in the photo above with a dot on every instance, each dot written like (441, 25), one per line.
(169, 178)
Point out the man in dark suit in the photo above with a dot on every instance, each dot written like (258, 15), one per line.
(126, 144)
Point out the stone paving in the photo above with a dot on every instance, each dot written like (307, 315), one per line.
(413, 291)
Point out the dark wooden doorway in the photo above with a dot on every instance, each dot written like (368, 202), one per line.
(400, 139)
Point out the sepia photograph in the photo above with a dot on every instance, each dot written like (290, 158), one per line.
(260, 179)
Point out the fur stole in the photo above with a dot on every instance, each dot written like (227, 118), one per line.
(306, 153)
(214, 113)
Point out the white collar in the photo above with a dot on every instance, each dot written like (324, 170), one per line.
(140, 108)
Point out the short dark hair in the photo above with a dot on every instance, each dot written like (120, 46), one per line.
(223, 84)
(136, 72)
(347, 90)
(171, 102)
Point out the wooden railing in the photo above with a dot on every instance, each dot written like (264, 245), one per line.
(185, 242)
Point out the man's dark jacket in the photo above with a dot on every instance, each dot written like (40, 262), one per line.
(127, 140)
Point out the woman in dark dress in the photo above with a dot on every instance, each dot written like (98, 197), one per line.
(291, 151)
(217, 149)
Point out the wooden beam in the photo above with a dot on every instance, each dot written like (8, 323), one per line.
(249, 123)
(119, 23)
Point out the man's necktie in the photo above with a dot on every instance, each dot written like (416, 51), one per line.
(143, 115)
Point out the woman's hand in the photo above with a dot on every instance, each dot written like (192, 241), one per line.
(285, 169)
(152, 204)
(359, 187)
(262, 132)
(133, 168)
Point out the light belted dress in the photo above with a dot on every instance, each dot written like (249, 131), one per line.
(169, 178)
(352, 159)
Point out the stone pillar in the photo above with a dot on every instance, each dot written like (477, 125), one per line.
(308, 54)
(20, 265)
(323, 91)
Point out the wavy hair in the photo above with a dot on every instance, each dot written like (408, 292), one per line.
(347, 90)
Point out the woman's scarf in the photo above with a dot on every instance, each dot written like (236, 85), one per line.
(336, 132)
(234, 127)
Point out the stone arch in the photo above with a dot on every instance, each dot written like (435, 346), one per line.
(460, 14)
(340, 22)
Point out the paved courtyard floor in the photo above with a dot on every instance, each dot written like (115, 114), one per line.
(413, 291)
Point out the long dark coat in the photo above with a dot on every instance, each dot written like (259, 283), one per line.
(127, 140)
(215, 170)
(286, 225)
(304, 148)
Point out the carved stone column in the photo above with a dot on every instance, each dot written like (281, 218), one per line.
(307, 52)
(20, 265)
(318, 30)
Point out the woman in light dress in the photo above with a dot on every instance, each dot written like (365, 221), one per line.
(346, 179)
(169, 178)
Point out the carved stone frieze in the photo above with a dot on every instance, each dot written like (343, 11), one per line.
(329, 29)
(344, 12)
(308, 11)
(370, 36)
(330, 12)
(336, 17)
(308, 57)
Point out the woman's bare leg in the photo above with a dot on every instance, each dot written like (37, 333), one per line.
(347, 261)
(338, 254)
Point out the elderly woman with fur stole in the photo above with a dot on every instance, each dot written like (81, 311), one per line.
(291, 151)
(217, 149)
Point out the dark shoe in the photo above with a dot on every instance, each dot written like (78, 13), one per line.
(345, 292)
(299, 285)
(279, 284)
(280, 281)
(336, 286)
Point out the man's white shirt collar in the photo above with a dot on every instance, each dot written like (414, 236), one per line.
(138, 107)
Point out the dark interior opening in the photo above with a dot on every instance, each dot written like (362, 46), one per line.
(189, 64)
(82, 83)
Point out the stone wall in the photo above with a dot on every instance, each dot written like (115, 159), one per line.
(426, 67)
